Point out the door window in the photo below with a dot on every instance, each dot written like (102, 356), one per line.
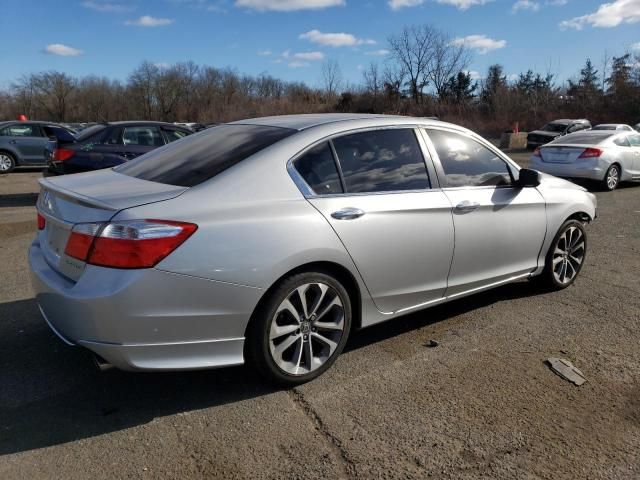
(142, 136)
(382, 161)
(467, 163)
(621, 142)
(318, 168)
(21, 130)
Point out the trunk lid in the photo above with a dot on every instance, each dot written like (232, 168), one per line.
(92, 197)
(562, 154)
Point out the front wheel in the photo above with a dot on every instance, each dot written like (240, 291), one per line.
(7, 163)
(565, 257)
(300, 330)
(612, 178)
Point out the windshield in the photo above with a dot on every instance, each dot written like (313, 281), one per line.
(201, 156)
(554, 127)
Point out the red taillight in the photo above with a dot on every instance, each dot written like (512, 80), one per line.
(41, 222)
(536, 152)
(62, 154)
(127, 244)
(591, 153)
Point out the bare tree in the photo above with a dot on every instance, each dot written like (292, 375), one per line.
(447, 60)
(52, 92)
(372, 80)
(413, 50)
(331, 77)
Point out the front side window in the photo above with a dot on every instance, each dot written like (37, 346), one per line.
(142, 136)
(318, 168)
(382, 161)
(203, 155)
(467, 163)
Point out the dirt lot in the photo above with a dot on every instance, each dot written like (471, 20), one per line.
(481, 404)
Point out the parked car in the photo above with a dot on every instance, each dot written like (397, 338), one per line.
(605, 156)
(106, 145)
(30, 143)
(554, 130)
(273, 238)
(637, 127)
(621, 127)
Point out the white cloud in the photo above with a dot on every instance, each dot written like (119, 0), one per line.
(525, 5)
(62, 50)
(608, 15)
(106, 6)
(635, 46)
(513, 77)
(297, 64)
(149, 21)
(288, 5)
(475, 75)
(161, 65)
(334, 39)
(556, 3)
(264, 53)
(482, 43)
(378, 53)
(308, 56)
(459, 4)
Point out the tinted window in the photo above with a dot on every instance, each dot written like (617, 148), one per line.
(61, 134)
(318, 168)
(584, 138)
(634, 140)
(575, 128)
(467, 163)
(381, 161)
(173, 135)
(142, 136)
(21, 130)
(604, 127)
(95, 132)
(554, 127)
(621, 142)
(203, 155)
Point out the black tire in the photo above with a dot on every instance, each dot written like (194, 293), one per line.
(7, 162)
(258, 344)
(548, 278)
(611, 179)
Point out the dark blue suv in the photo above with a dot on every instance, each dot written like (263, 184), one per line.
(109, 144)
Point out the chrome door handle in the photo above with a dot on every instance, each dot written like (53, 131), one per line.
(467, 206)
(347, 213)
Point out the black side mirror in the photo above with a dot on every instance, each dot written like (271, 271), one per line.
(528, 178)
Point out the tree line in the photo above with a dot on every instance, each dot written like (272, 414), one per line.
(424, 74)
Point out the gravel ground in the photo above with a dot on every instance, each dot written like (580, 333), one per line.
(482, 404)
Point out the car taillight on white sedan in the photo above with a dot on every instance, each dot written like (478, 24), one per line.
(591, 153)
(127, 244)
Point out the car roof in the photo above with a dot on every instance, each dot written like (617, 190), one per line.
(306, 121)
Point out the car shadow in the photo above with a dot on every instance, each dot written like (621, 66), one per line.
(18, 200)
(52, 394)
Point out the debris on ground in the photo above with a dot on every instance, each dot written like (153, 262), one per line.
(431, 344)
(565, 369)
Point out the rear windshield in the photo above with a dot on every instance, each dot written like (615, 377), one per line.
(88, 132)
(554, 127)
(581, 138)
(604, 127)
(201, 156)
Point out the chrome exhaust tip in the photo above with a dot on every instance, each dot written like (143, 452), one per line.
(101, 363)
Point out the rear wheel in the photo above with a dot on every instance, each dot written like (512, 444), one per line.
(612, 178)
(7, 162)
(300, 330)
(565, 257)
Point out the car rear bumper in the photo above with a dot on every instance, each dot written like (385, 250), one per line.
(587, 169)
(146, 319)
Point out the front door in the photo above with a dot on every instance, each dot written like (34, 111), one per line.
(499, 227)
(28, 140)
(398, 231)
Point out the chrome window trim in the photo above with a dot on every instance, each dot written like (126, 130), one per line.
(307, 191)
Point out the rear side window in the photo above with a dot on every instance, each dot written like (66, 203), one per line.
(318, 168)
(382, 161)
(203, 155)
(142, 136)
(621, 142)
(467, 163)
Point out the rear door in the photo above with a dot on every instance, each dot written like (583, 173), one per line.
(394, 222)
(499, 227)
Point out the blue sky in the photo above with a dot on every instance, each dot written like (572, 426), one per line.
(290, 39)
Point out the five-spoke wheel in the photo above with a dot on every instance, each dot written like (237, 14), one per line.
(566, 256)
(612, 177)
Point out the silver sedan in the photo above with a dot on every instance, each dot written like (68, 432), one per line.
(270, 240)
(605, 156)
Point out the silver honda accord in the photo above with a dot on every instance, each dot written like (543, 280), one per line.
(269, 240)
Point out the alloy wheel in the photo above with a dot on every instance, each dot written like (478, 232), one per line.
(306, 328)
(568, 255)
(5, 163)
(613, 177)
